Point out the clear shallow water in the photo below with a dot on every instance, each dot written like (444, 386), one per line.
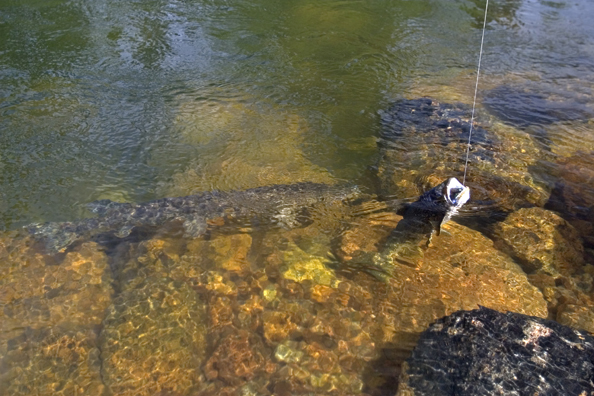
(134, 101)
(92, 94)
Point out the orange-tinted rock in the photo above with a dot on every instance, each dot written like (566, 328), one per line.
(577, 316)
(367, 235)
(238, 357)
(541, 241)
(74, 288)
(153, 340)
(460, 270)
(58, 360)
(231, 252)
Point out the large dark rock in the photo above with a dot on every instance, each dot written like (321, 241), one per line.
(485, 352)
(423, 141)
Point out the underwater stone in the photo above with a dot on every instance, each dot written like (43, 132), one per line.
(287, 352)
(242, 146)
(58, 360)
(153, 340)
(269, 292)
(73, 288)
(573, 193)
(485, 352)
(461, 269)
(577, 316)
(541, 241)
(523, 106)
(436, 136)
(301, 266)
(238, 357)
(231, 252)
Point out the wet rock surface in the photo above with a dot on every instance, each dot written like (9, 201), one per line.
(153, 340)
(541, 241)
(485, 352)
(423, 141)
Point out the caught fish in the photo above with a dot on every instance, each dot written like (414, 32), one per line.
(421, 220)
(278, 205)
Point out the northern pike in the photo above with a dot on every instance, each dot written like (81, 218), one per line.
(421, 220)
(280, 205)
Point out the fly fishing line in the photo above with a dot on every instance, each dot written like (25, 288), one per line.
(478, 71)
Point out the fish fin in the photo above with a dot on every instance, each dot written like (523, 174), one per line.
(195, 228)
(436, 227)
(56, 237)
(124, 231)
(101, 206)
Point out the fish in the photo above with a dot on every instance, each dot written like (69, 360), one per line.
(278, 205)
(422, 219)
(281, 205)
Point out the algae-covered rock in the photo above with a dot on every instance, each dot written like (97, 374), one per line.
(423, 142)
(461, 269)
(57, 360)
(154, 339)
(38, 290)
(541, 241)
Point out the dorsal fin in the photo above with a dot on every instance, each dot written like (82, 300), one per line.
(102, 206)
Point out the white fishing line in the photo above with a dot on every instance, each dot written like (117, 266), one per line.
(478, 71)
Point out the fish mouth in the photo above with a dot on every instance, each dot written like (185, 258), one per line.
(455, 193)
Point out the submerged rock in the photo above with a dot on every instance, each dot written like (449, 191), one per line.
(541, 241)
(460, 270)
(239, 357)
(38, 290)
(423, 141)
(485, 352)
(573, 193)
(238, 146)
(57, 360)
(153, 340)
(577, 316)
(300, 266)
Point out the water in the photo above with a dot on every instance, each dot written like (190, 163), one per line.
(134, 101)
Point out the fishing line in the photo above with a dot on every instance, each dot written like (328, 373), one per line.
(478, 71)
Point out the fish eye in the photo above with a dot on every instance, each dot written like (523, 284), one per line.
(454, 192)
